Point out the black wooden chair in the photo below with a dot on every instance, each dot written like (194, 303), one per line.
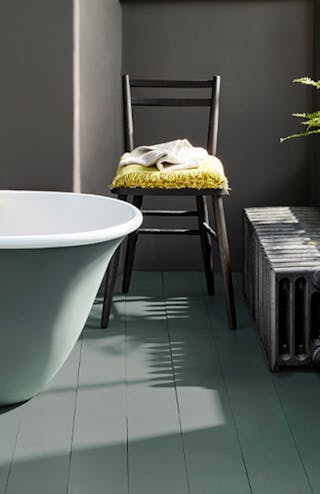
(205, 231)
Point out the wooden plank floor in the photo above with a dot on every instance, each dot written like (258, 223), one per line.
(168, 400)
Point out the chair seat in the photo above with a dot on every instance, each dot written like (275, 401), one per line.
(209, 175)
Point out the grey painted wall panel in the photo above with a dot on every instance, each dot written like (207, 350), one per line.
(257, 47)
(36, 117)
(100, 92)
(315, 190)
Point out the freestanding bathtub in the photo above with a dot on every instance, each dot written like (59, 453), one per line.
(54, 249)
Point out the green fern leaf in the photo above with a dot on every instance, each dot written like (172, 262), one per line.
(308, 81)
(303, 134)
(315, 114)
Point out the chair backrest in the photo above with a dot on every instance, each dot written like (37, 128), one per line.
(212, 102)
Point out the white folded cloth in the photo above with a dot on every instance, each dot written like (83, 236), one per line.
(173, 155)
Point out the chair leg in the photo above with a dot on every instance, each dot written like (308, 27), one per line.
(206, 244)
(225, 259)
(130, 250)
(110, 280)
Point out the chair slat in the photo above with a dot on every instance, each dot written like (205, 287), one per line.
(135, 101)
(168, 231)
(170, 84)
(168, 212)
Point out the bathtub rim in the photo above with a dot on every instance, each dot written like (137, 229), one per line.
(56, 240)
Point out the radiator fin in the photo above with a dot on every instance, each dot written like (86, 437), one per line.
(299, 318)
(284, 318)
(315, 316)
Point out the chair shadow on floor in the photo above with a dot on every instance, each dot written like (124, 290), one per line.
(174, 336)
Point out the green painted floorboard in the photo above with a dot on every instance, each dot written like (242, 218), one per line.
(9, 427)
(299, 393)
(155, 446)
(99, 446)
(213, 454)
(42, 454)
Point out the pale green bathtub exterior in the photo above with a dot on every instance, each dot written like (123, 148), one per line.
(45, 298)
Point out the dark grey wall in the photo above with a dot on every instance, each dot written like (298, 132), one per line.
(315, 192)
(257, 47)
(100, 92)
(36, 116)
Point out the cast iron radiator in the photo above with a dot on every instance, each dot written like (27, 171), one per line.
(282, 282)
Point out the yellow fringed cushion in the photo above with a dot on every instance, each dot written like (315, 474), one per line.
(209, 175)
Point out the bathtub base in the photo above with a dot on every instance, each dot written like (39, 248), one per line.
(45, 298)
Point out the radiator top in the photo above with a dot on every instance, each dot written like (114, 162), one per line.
(289, 236)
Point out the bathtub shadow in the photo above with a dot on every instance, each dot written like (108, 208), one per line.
(10, 408)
